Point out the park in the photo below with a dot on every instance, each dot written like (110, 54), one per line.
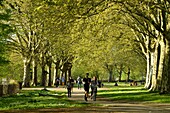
(124, 44)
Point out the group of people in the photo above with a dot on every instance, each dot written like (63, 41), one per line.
(57, 81)
(86, 81)
(90, 82)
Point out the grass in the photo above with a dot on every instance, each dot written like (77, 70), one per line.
(127, 93)
(37, 99)
(34, 99)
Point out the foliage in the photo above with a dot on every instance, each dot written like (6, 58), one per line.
(5, 29)
(14, 70)
(91, 32)
(103, 39)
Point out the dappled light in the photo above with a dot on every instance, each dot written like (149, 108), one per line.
(48, 46)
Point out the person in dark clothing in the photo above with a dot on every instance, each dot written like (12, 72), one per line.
(69, 86)
(86, 82)
(72, 83)
(57, 82)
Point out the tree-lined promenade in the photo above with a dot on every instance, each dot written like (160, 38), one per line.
(113, 39)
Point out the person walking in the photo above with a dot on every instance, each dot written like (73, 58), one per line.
(79, 82)
(63, 81)
(72, 83)
(57, 82)
(94, 84)
(69, 86)
(86, 82)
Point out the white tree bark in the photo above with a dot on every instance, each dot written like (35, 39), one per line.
(161, 63)
(154, 63)
(26, 76)
(148, 72)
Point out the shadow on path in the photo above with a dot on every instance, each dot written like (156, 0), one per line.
(109, 106)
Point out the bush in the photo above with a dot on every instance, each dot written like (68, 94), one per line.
(9, 89)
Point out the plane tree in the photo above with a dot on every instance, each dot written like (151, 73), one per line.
(151, 21)
(103, 41)
(27, 38)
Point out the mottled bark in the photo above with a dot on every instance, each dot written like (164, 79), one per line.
(26, 77)
(56, 68)
(154, 56)
(148, 71)
(161, 51)
(34, 80)
(165, 86)
(49, 74)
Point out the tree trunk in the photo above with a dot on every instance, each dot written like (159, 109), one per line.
(154, 56)
(34, 80)
(161, 64)
(43, 76)
(66, 77)
(110, 76)
(128, 75)
(148, 71)
(56, 71)
(109, 69)
(64, 73)
(69, 72)
(35, 76)
(165, 86)
(26, 77)
(120, 72)
(49, 74)
(120, 75)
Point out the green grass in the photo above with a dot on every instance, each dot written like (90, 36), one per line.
(51, 99)
(32, 100)
(126, 93)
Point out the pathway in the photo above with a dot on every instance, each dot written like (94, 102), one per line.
(108, 106)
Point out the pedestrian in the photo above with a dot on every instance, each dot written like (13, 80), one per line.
(62, 80)
(72, 83)
(79, 82)
(57, 81)
(86, 82)
(94, 84)
(68, 85)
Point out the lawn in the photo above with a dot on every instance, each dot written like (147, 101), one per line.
(34, 99)
(127, 93)
(37, 99)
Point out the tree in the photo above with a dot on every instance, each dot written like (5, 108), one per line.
(151, 20)
(27, 39)
(5, 29)
(103, 42)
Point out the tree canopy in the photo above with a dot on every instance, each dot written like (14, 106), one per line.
(112, 37)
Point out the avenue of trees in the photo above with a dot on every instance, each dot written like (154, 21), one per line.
(130, 37)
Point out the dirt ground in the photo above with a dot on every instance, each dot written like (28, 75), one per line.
(108, 106)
